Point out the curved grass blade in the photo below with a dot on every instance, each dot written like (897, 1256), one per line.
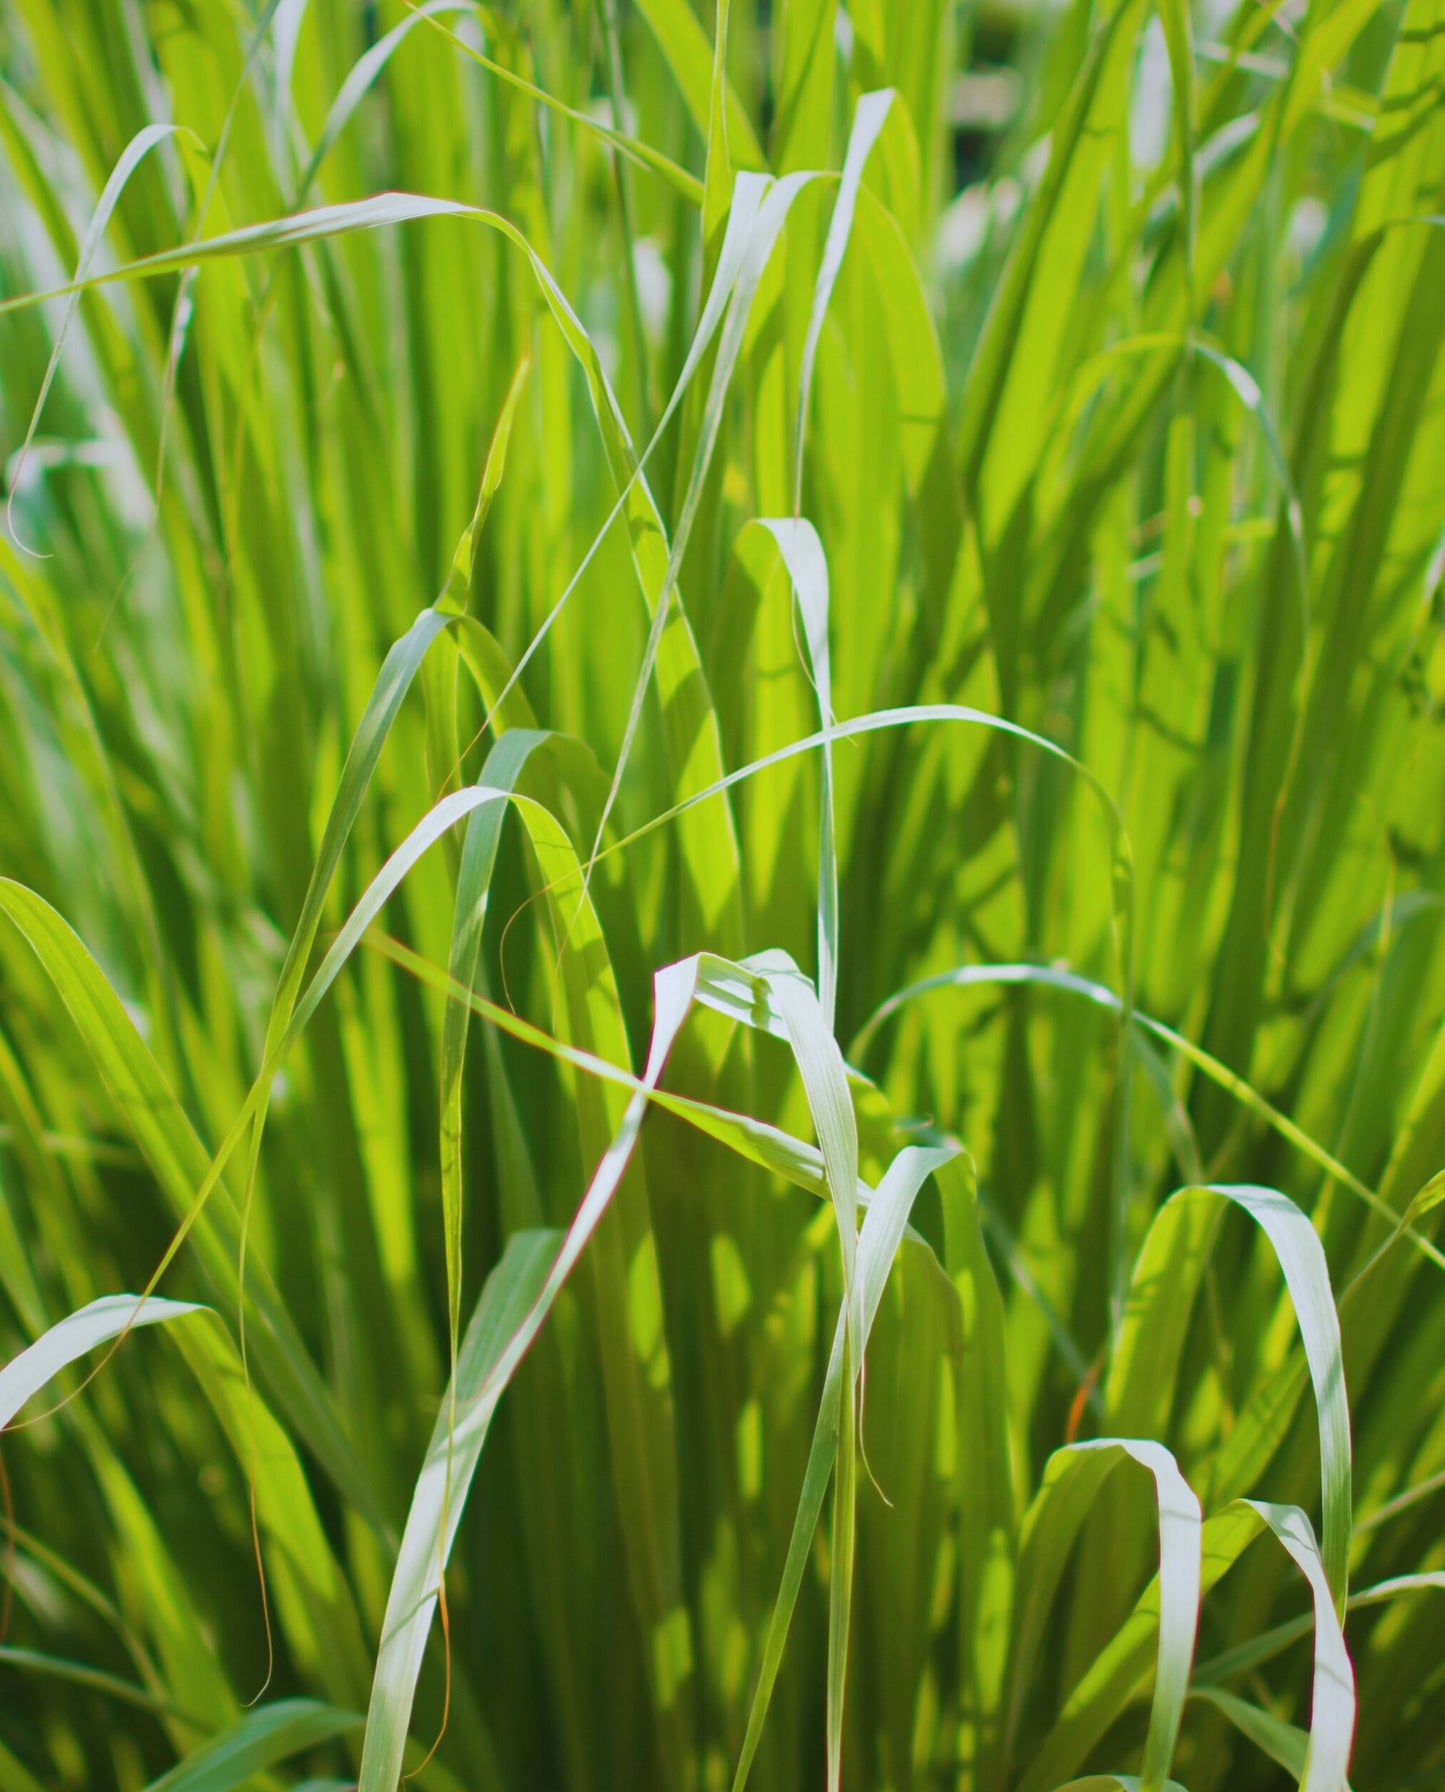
(439, 1498)
(24, 1376)
(1432, 1580)
(1071, 1484)
(1284, 1743)
(754, 1140)
(878, 1243)
(869, 117)
(1146, 1352)
(77, 1673)
(1332, 1718)
(1055, 977)
(1152, 1335)
(1307, 1276)
(825, 1081)
(143, 141)
(1245, 1656)
(634, 148)
(259, 1740)
(763, 229)
(318, 224)
(1114, 1782)
(917, 715)
(167, 1140)
(362, 77)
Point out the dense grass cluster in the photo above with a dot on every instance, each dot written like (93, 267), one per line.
(722, 831)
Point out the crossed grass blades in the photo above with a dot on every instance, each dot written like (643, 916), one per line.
(680, 728)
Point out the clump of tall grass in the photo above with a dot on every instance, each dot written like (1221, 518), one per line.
(722, 868)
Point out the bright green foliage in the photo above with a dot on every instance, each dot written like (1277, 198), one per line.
(722, 865)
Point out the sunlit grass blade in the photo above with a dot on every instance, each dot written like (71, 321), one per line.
(144, 141)
(1071, 1484)
(868, 122)
(439, 1500)
(25, 1375)
(808, 572)
(161, 1129)
(882, 1230)
(1332, 1719)
(1057, 977)
(642, 154)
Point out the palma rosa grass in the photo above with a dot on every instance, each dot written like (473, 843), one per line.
(722, 1011)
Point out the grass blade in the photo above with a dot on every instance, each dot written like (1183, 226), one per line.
(439, 1498)
(25, 1375)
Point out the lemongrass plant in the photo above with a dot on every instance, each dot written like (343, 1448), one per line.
(722, 1029)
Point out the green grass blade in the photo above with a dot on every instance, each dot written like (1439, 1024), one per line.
(643, 155)
(1070, 1487)
(689, 56)
(306, 1584)
(139, 145)
(1332, 1719)
(1284, 1743)
(260, 1739)
(180, 1163)
(25, 1375)
(1051, 404)
(882, 1230)
(1056, 977)
(1107, 1782)
(362, 77)
(1307, 1276)
(479, 851)
(807, 566)
(763, 231)
(868, 121)
(840, 1575)
(439, 1498)
(820, 1064)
